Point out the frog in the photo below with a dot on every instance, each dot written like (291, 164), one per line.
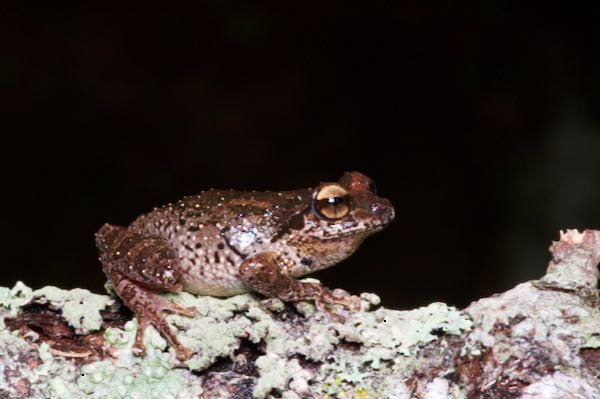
(223, 243)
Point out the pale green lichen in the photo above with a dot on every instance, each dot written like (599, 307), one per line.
(402, 330)
(119, 338)
(384, 334)
(150, 377)
(11, 299)
(373, 353)
(592, 342)
(79, 307)
(275, 373)
(217, 331)
(551, 315)
(574, 266)
(214, 332)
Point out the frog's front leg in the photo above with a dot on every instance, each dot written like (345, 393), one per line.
(263, 273)
(139, 267)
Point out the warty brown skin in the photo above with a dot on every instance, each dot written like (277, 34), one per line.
(225, 242)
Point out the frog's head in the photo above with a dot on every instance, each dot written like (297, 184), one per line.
(339, 217)
(348, 207)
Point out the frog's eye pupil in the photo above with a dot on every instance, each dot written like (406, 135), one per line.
(335, 200)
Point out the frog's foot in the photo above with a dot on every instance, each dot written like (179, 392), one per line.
(263, 275)
(148, 308)
(352, 303)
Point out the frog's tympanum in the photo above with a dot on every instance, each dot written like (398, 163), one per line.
(225, 242)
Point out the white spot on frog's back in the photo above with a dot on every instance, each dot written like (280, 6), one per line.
(246, 238)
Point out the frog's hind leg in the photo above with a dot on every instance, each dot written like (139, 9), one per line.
(140, 266)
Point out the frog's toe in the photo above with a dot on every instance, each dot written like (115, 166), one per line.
(351, 302)
(183, 353)
(332, 314)
(188, 311)
(139, 348)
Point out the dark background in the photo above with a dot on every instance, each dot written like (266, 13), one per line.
(480, 125)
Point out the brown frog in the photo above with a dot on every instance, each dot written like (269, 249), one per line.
(225, 242)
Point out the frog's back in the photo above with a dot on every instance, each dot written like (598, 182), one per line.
(214, 231)
(225, 209)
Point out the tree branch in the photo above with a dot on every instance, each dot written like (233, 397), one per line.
(540, 339)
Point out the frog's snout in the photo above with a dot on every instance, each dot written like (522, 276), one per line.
(384, 210)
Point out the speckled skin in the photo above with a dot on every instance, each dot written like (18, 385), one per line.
(225, 242)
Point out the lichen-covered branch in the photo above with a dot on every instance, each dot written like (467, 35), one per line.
(539, 340)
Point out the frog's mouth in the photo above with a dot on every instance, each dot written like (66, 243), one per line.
(348, 229)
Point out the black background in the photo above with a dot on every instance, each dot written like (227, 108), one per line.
(479, 124)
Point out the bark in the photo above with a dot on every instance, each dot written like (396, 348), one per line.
(540, 339)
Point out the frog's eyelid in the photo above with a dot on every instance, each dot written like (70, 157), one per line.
(328, 190)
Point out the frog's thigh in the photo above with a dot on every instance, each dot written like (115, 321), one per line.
(148, 260)
(262, 273)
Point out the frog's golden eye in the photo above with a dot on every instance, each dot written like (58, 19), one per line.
(331, 201)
